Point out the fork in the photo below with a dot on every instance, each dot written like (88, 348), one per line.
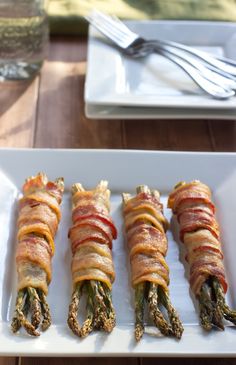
(135, 46)
(222, 64)
(225, 65)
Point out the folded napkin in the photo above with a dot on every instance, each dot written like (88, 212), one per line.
(66, 16)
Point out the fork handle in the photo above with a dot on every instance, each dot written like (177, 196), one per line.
(183, 52)
(212, 74)
(215, 90)
(222, 63)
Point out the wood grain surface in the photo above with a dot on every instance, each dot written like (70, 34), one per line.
(18, 109)
(49, 113)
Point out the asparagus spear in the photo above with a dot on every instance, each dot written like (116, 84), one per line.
(176, 325)
(99, 306)
(34, 301)
(139, 310)
(45, 311)
(73, 310)
(88, 324)
(100, 311)
(206, 307)
(155, 312)
(111, 317)
(35, 307)
(228, 313)
(213, 307)
(23, 305)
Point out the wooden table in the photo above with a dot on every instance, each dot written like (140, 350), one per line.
(49, 112)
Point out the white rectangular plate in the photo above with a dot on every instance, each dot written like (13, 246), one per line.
(124, 170)
(154, 81)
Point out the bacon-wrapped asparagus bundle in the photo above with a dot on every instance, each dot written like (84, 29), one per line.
(39, 216)
(145, 227)
(199, 231)
(92, 266)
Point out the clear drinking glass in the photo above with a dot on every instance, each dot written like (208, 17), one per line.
(23, 38)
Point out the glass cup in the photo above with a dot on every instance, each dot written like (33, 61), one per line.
(23, 38)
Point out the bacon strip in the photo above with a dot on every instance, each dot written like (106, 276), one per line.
(199, 231)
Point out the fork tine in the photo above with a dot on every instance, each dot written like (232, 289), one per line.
(121, 24)
(107, 31)
(108, 22)
(106, 27)
(115, 22)
(112, 28)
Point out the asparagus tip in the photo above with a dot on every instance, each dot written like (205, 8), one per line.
(139, 331)
(109, 324)
(155, 312)
(86, 328)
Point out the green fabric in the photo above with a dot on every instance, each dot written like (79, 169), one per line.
(66, 16)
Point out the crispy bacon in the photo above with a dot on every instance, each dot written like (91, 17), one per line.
(91, 235)
(38, 212)
(145, 227)
(42, 197)
(91, 226)
(39, 215)
(148, 236)
(36, 251)
(81, 214)
(199, 231)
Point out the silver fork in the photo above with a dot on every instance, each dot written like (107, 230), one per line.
(135, 46)
(222, 64)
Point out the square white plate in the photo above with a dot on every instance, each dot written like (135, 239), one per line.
(124, 170)
(154, 81)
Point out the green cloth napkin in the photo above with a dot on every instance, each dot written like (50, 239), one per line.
(66, 16)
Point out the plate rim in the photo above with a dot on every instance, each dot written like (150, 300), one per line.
(94, 111)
